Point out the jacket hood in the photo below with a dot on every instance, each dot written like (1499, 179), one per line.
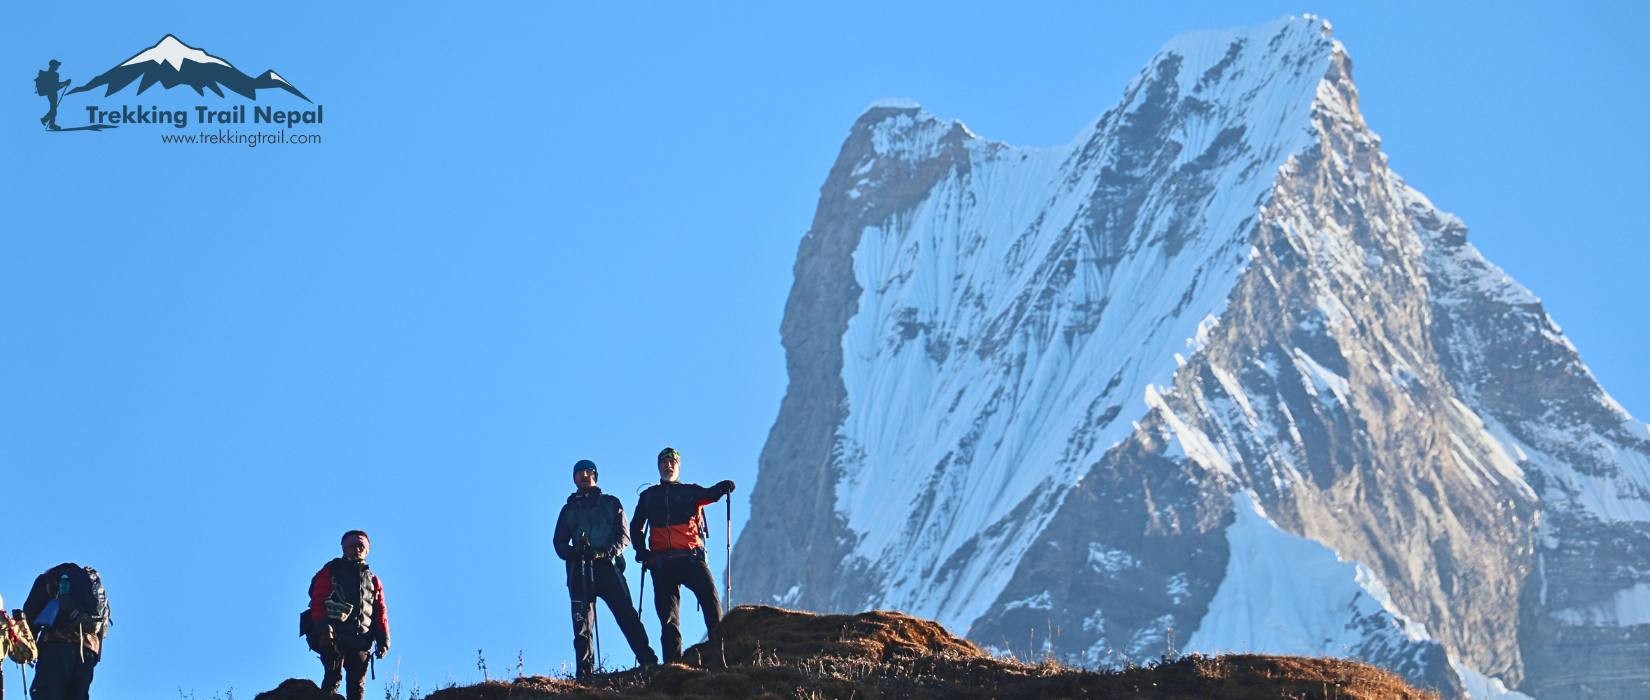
(585, 493)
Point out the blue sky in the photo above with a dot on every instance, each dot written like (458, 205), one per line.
(545, 232)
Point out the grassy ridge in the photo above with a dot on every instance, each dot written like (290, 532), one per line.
(765, 652)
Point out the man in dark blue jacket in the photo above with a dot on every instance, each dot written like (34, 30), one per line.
(590, 537)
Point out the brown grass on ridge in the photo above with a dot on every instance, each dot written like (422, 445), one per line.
(766, 652)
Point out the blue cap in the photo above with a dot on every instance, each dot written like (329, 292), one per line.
(584, 464)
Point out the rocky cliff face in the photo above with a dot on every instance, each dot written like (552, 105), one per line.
(1210, 377)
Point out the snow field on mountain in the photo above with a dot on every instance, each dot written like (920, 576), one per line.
(1482, 687)
(1285, 594)
(173, 52)
(957, 422)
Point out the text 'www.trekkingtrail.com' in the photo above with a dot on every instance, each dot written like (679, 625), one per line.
(250, 139)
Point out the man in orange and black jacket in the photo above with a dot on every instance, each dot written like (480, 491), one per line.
(674, 549)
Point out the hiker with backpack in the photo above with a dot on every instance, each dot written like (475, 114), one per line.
(47, 85)
(590, 537)
(347, 617)
(70, 610)
(674, 547)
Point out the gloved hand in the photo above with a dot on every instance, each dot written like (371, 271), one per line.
(725, 486)
(644, 557)
(383, 646)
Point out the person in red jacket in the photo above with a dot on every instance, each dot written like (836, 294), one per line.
(348, 616)
(674, 548)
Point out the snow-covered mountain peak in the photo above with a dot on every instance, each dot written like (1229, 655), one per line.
(1297, 35)
(1026, 385)
(894, 103)
(908, 133)
(1006, 254)
(1256, 83)
(170, 63)
(172, 51)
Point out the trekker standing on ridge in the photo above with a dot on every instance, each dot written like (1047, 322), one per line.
(590, 537)
(69, 607)
(674, 549)
(47, 85)
(347, 616)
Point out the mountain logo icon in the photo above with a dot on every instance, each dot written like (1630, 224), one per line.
(171, 63)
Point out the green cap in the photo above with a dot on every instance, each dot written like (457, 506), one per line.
(671, 453)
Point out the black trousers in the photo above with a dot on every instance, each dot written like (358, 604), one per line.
(669, 572)
(60, 674)
(609, 585)
(336, 663)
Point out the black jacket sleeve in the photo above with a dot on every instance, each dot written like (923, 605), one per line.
(36, 602)
(637, 536)
(564, 548)
(620, 540)
(704, 496)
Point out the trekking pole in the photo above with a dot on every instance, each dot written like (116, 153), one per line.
(372, 666)
(595, 618)
(727, 564)
(63, 92)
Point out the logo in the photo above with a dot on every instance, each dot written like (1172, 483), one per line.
(170, 64)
